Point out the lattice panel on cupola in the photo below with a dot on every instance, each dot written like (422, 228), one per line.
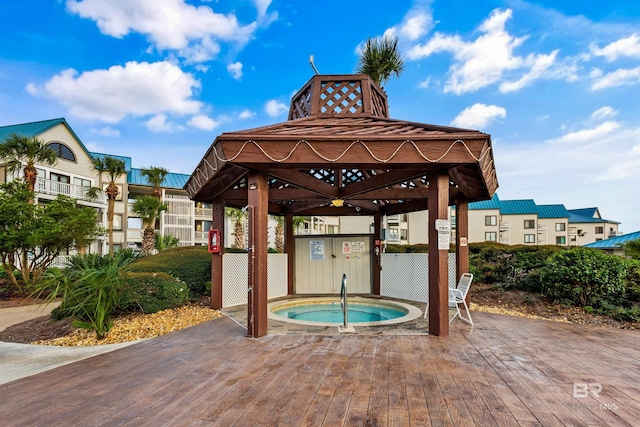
(326, 175)
(277, 184)
(379, 105)
(349, 176)
(341, 97)
(301, 105)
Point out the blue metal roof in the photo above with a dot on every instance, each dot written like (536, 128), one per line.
(518, 207)
(36, 128)
(614, 242)
(494, 203)
(587, 215)
(126, 160)
(172, 180)
(552, 211)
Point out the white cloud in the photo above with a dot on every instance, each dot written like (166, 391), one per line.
(235, 69)
(246, 114)
(159, 124)
(264, 18)
(629, 46)
(601, 170)
(107, 131)
(192, 31)
(137, 89)
(32, 89)
(603, 113)
(486, 60)
(202, 68)
(620, 77)
(479, 116)
(584, 135)
(275, 108)
(203, 122)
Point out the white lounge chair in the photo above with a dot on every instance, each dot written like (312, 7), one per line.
(457, 296)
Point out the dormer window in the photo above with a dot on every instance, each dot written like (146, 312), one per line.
(62, 151)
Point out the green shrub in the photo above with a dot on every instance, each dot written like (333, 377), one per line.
(191, 264)
(633, 280)
(90, 287)
(583, 276)
(151, 292)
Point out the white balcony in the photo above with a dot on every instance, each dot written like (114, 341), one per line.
(615, 233)
(542, 229)
(504, 226)
(504, 240)
(54, 188)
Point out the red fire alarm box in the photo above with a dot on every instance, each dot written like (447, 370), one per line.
(214, 241)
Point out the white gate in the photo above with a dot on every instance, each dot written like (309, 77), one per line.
(320, 262)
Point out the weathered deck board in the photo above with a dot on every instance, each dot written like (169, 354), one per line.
(504, 371)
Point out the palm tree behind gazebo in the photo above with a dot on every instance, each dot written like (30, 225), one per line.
(339, 154)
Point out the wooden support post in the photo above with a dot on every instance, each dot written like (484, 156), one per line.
(377, 253)
(289, 249)
(258, 200)
(462, 237)
(217, 223)
(438, 258)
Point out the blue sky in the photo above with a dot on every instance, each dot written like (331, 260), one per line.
(555, 83)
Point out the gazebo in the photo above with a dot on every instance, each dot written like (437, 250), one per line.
(340, 154)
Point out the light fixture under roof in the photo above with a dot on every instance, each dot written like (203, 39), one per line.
(337, 203)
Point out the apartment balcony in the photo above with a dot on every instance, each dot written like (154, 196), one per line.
(505, 226)
(393, 220)
(47, 187)
(573, 231)
(134, 233)
(542, 229)
(504, 240)
(206, 213)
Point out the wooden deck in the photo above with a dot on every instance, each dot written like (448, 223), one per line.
(503, 371)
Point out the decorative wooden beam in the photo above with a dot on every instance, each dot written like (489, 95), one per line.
(386, 179)
(438, 258)
(462, 237)
(377, 253)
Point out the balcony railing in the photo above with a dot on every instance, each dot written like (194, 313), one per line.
(504, 240)
(542, 229)
(504, 226)
(54, 188)
(615, 234)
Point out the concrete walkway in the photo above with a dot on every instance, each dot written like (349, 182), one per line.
(23, 360)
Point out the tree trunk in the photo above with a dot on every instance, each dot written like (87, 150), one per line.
(279, 238)
(110, 208)
(238, 232)
(30, 176)
(148, 240)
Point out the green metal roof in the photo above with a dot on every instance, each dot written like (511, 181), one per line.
(614, 242)
(173, 180)
(552, 211)
(126, 160)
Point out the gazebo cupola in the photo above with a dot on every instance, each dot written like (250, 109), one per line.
(352, 95)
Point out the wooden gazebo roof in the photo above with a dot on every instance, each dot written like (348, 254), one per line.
(339, 144)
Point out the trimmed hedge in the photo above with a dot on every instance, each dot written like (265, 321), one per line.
(152, 292)
(585, 277)
(191, 264)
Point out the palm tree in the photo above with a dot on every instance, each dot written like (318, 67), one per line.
(632, 248)
(238, 216)
(148, 208)
(16, 149)
(156, 177)
(380, 59)
(114, 168)
(279, 232)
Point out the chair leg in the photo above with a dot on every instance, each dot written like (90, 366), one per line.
(457, 313)
(426, 310)
(468, 319)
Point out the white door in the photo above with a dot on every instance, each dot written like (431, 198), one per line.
(320, 262)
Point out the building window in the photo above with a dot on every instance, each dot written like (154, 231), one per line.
(332, 229)
(561, 226)
(561, 240)
(134, 223)
(490, 236)
(599, 230)
(62, 151)
(529, 238)
(490, 220)
(403, 234)
(117, 222)
(598, 239)
(529, 223)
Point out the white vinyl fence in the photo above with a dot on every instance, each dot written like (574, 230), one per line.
(403, 276)
(235, 277)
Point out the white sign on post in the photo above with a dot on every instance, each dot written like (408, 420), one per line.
(444, 234)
